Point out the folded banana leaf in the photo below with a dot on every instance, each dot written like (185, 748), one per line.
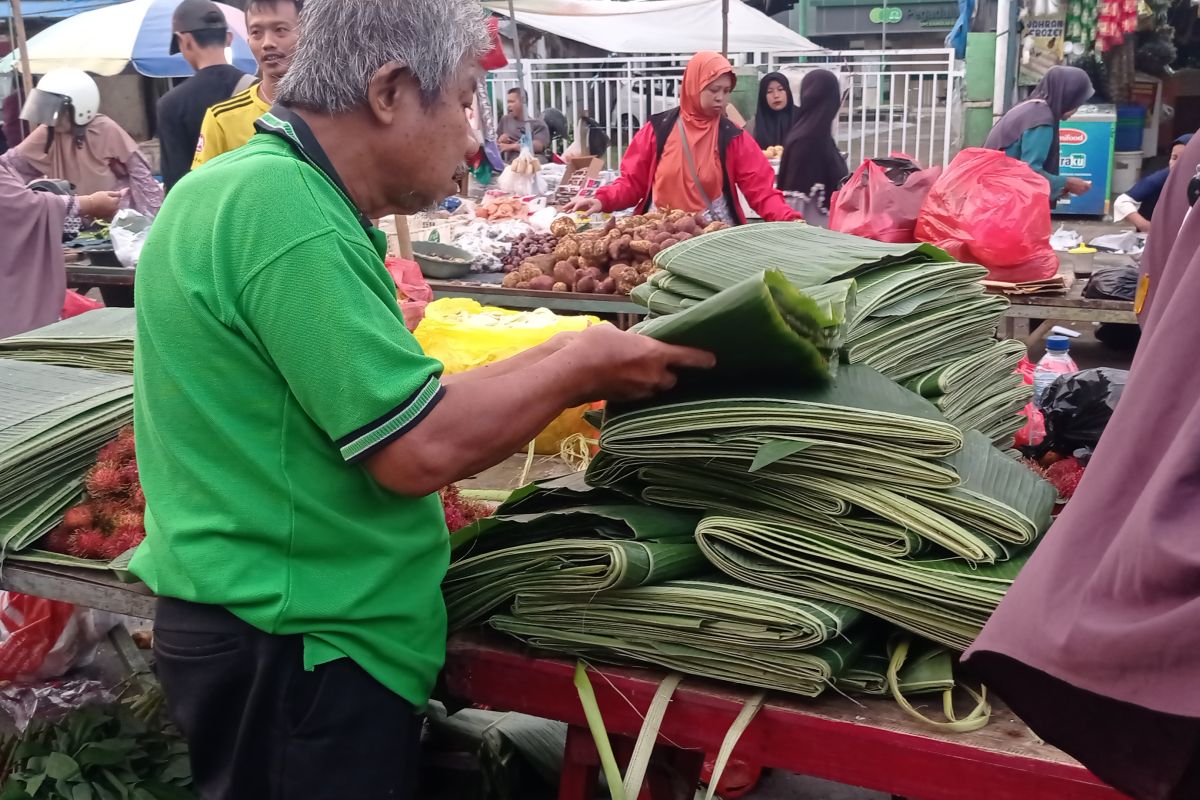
(743, 643)
(943, 599)
(806, 255)
(698, 612)
(581, 549)
(971, 374)
(760, 330)
(900, 290)
(861, 408)
(100, 339)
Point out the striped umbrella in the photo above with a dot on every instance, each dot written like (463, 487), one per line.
(110, 40)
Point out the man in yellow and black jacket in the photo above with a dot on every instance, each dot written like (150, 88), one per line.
(272, 27)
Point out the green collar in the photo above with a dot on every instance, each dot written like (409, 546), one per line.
(287, 124)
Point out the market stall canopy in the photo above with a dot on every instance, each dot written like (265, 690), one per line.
(105, 41)
(637, 27)
(53, 9)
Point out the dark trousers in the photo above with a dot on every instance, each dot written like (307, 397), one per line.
(262, 728)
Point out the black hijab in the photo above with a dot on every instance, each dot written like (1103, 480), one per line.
(810, 156)
(771, 126)
(1061, 90)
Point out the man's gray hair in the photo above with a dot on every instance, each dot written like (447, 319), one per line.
(343, 43)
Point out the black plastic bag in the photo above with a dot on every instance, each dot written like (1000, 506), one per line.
(1112, 283)
(1077, 408)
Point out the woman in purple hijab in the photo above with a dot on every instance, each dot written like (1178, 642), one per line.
(1097, 645)
(33, 278)
(1029, 131)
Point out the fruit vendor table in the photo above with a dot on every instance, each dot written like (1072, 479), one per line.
(871, 743)
(86, 276)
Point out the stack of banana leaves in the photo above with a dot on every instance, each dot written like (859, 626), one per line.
(914, 312)
(572, 569)
(824, 470)
(100, 339)
(54, 421)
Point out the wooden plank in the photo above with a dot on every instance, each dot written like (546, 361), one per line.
(872, 743)
(88, 275)
(90, 588)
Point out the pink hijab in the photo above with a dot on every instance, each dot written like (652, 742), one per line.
(93, 165)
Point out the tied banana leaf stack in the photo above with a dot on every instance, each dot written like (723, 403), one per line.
(915, 313)
(710, 628)
(100, 339)
(54, 421)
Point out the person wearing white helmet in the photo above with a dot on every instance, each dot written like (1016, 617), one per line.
(73, 141)
(33, 277)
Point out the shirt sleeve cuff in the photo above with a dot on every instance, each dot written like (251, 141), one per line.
(374, 436)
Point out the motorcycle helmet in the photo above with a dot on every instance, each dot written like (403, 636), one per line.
(57, 92)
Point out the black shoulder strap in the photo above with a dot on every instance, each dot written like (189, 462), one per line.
(662, 124)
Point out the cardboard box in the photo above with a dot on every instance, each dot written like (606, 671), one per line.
(578, 174)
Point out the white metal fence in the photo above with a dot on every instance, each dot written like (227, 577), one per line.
(905, 101)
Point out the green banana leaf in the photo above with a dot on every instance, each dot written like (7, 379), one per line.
(807, 256)
(703, 628)
(943, 599)
(100, 339)
(760, 330)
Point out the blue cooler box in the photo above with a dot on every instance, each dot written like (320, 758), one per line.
(1085, 150)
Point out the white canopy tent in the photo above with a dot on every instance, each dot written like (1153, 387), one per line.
(656, 26)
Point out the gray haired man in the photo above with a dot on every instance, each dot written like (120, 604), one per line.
(292, 435)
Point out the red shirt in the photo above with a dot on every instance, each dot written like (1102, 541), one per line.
(746, 168)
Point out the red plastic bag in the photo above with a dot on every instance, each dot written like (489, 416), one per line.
(1034, 430)
(42, 638)
(992, 210)
(739, 778)
(412, 290)
(75, 304)
(883, 199)
(494, 58)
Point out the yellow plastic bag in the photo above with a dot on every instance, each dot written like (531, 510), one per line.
(463, 335)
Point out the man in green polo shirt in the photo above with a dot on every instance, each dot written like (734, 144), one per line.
(291, 434)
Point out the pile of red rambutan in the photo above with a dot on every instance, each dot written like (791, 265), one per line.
(110, 519)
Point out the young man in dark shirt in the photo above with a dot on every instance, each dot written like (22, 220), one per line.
(201, 35)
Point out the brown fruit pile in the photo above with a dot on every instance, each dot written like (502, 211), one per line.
(612, 260)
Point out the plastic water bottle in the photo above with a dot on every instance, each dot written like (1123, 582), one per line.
(1057, 361)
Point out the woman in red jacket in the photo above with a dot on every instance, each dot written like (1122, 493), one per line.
(693, 158)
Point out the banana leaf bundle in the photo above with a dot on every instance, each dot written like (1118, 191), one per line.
(915, 309)
(943, 599)
(585, 549)
(55, 420)
(760, 329)
(708, 628)
(100, 339)
(980, 391)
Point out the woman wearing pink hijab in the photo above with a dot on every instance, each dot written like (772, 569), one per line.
(1097, 645)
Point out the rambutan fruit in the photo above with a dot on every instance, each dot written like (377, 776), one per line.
(79, 516)
(58, 540)
(137, 499)
(1065, 475)
(104, 479)
(121, 540)
(87, 543)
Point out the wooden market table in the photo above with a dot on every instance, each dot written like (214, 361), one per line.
(871, 743)
(1069, 307)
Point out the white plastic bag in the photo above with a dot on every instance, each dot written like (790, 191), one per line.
(523, 176)
(128, 233)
